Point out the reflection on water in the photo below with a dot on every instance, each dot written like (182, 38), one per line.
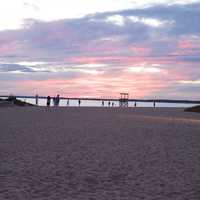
(86, 103)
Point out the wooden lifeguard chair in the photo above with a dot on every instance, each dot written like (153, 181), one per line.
(123, 101)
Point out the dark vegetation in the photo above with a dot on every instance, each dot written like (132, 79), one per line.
(13, 101)
(193, 109)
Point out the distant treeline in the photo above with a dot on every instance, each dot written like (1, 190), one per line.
(12, 100)
(193, 109)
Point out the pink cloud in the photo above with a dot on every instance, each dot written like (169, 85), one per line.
(109, 85)
(9, 48)
(139, 50)
(184, 44)
(188, 46)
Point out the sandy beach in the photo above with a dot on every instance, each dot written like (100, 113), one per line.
(99, 153)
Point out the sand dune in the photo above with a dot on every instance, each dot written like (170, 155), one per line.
(99, 153)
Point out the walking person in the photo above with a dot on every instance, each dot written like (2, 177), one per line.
(48, 101)
(102, 103)
(135, 104)
(109, 104)
(154, 104)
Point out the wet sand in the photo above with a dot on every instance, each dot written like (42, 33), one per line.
(99, 153)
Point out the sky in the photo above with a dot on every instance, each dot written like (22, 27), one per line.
(92, 48)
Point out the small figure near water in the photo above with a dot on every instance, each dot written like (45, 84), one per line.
(67, 102)
(57, 100)
(109, 104)
(54, 101)
(48, 101)
(113, 104)
(36, 99)
(154, 104)
(135, 104)
(79, 102)
(102, 103)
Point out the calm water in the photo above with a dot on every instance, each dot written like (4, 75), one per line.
(85, 103)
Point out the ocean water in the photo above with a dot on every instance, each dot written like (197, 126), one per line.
(87, 103)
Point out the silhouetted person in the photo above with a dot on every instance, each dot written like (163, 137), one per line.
(36, 99)
(48, 101)
(113, 104)
(57, 100)
(109, 104)
(135, 104)
(102, 103)
(54, 101)
(154, 104)
(67, 102)
(79, 102)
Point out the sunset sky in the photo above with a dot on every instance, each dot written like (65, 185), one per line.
(149, 48)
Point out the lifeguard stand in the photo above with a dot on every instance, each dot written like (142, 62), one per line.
(123, 101)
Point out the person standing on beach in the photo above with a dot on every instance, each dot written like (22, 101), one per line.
(109, 104)
(113, 104)
(102, 103)
(57, 100)
(154, 104)
(36, 99)
(79, 102)
(135, 104)
(67, 102)
(48, 101)
(54, 101)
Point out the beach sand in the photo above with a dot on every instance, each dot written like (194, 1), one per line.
(99, 153)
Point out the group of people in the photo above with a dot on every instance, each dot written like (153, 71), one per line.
(56, 100)
(109, 104)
